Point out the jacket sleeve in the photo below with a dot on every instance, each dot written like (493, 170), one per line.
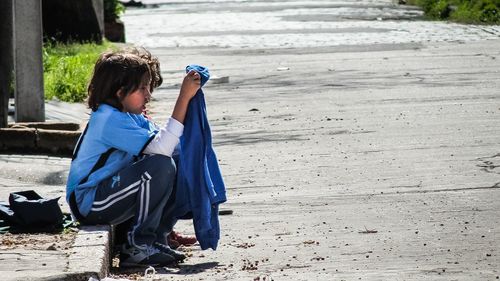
(166, 139)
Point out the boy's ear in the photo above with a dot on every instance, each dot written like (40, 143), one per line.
(119, 94)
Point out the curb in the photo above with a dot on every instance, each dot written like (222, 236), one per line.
(90, 256)
(45, 137)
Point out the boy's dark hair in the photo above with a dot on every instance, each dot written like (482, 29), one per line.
(115, 71)
(152, 61)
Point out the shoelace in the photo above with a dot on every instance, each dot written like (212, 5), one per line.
(163, 246)
(150, 250)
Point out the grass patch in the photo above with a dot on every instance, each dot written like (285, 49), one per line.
(112, 10)
(67, 69)
(463, 11)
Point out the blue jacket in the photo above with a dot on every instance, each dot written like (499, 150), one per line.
(200, 188)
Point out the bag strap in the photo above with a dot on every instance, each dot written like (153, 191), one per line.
(99, 164)
(77, 148)
(72, 197)
(73, 206)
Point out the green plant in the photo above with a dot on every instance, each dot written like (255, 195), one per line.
(465, 14)
(440, 9)
(426, 5)
(112, 10)
(67, 69)
(490, 11)
(466, 11)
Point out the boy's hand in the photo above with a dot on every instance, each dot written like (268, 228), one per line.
(190, 84)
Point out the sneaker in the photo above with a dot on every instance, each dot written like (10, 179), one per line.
(178, 255)
(131, 256)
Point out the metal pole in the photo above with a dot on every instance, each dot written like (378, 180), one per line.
(6, 58)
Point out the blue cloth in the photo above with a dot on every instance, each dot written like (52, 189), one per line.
(108, 128)
(200, 188)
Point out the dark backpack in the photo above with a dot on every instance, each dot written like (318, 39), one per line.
(29, 212)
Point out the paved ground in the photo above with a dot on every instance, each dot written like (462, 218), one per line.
(354, 146)
(401, 142)
(333, 128)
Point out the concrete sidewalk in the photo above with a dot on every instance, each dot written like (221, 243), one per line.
(355, 144)
(348, 165)
(343, 161)
(67, 256)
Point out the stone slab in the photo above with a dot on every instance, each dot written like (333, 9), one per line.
(32, 139)
(90, 254)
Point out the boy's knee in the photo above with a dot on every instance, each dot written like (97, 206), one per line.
(163, 165)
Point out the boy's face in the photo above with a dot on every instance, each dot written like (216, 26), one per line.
(136, 101)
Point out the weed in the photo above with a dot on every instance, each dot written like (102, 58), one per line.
(67, 69)
(464, 11)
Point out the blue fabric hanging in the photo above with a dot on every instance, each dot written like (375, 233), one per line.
(200, 187)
